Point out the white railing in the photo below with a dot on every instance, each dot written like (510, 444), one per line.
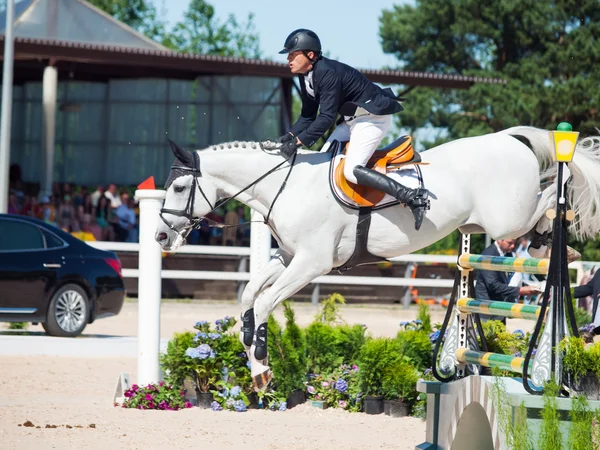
(243, 275)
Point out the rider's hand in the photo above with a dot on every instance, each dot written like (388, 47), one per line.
(285, 138)
(529, 290)
(289, 148)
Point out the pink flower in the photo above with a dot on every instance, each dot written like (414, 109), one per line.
(343, 403)
(161, 384)
(354, 367)
(149, 397)
(150, 405)
(317, 396)
(134, 387)
(310, 389)
(324, 383)
(188, 405)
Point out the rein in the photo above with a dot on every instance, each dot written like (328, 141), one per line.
(194, 222)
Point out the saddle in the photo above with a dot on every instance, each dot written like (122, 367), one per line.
(384, 160)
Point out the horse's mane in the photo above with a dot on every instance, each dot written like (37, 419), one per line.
(234, 144)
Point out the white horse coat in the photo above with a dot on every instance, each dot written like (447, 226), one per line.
(487, 184)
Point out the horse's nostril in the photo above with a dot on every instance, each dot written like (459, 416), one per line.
(162, 236)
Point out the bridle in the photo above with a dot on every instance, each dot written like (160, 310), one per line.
(188, 212)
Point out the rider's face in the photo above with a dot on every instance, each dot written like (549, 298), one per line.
(298, 62)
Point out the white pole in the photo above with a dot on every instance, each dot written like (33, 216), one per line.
(5, 118)
(260, 244)
(149, 286)
(49, 93)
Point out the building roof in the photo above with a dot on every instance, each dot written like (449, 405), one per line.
(73, 21)
(77, 34)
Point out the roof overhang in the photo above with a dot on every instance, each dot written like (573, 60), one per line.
(130, 61)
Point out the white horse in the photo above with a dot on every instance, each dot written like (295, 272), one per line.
(496, 184)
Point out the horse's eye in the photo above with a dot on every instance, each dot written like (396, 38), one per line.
(179, 189)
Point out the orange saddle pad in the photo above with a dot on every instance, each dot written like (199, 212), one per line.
(398, 153)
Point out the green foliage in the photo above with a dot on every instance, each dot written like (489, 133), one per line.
(329, 346)
(18, 325)
(550, 437)
(425, 318)
(579, 357)
(415, 346)
(580, 434)
(330, 309)
(230, 397)
(499, 340)
(338, 389)
(515, 429)
(287, 349)
(202, 32)
(400, 381)
(174, 363)
(155, 396)
(375, 356)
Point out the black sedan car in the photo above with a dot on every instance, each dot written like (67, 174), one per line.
(50, 276)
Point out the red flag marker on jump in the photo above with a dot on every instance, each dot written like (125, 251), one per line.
(147, 184)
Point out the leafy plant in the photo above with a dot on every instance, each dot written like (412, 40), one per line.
(229, 397)
(273, 400)
(174, 362)
(338, 389)
(515, 429)
(18, 325)
(287, 351)
(415, 345)
(575, 358)
(550, 437)
(400, 382)
(155, 396)
(375, 356)
(425, 318)
(580, 435)
(330, 309)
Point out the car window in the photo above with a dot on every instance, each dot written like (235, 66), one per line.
(52, 241)
(17, 235)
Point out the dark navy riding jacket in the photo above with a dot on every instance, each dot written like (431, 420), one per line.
(338, 88)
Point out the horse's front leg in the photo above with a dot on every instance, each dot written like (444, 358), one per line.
(303, 268)
(255, 286)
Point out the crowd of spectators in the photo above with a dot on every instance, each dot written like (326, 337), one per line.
(110, 213)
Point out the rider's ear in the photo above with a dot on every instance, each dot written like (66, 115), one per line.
(182, 155)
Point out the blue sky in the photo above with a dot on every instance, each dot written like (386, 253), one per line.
(357, 45)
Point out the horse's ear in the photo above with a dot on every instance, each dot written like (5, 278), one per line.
(182, 155)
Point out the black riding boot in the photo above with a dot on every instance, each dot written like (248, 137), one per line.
(415, 199)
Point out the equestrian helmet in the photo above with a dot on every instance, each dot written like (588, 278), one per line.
(302, 39)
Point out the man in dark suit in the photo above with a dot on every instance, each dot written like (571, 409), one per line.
(330, 87)
(591, 288)
(494, 285)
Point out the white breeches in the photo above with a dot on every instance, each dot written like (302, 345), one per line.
(365, 133)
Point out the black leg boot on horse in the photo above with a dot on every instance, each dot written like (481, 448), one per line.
(416, 199)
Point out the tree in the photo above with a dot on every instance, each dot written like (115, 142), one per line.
(141, 15)
(201, 32)
(545, 49)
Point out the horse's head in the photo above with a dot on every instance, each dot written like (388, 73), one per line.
(189, 197)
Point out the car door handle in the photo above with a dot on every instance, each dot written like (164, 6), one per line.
(52, 266)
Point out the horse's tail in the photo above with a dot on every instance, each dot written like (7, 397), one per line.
(583, 193)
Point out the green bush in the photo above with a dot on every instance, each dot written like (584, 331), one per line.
(374, 358)
(400, 382)
(425, 318)
(329, 346)
(18, 325)
(415, 346)
(287, 349)
(175, 365)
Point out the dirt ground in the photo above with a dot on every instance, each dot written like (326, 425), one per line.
(69, 399)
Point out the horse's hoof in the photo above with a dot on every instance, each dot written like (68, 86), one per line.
(572, 254)
(262, 380)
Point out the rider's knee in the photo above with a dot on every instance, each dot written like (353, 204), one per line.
(349, 173)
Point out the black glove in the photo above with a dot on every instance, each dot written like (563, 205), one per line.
(285, 138)
(289, 148)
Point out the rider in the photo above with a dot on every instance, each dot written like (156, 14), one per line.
(366, 110)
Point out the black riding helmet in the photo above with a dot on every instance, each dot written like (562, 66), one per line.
(302, 39)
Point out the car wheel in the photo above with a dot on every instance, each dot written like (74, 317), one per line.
(68, 312)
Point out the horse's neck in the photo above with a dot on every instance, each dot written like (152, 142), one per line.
(233, 170)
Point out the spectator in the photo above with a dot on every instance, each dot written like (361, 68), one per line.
(592, 288)
(111, 195)
(48, 213)
(32, 208)
(13, 205)
(104, 217)
(126, 220)
(99, 192)
(494, 285)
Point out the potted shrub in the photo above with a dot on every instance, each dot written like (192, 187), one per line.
(399, 385)
(581, 362)
(287, 357)
(375, 357)
(339, 389)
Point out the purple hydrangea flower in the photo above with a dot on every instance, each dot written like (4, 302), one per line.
(215, 406)
(519, 334)
(214, 336)
(433, 337)
(282, 406)
(239, 406)
(341, 385)
(235, 391)
(199, 335)
(248, 365)
(202, 352)
(201, 323)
